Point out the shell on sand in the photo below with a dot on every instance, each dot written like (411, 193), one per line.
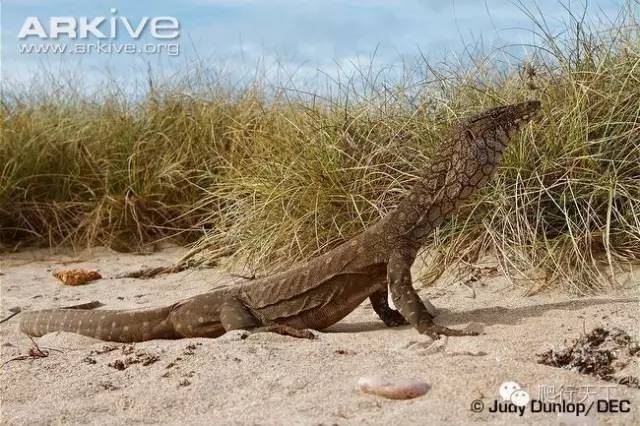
(393, 388)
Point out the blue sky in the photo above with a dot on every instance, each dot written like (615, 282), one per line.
(295, 36)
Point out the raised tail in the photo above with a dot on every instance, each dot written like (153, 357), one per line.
(134, 325)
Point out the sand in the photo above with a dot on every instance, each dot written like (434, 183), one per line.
(275, 380)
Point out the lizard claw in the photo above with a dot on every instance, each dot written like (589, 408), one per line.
(304, 333)
(285, 330)
(435, 331)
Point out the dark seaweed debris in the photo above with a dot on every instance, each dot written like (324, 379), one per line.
(600, 353)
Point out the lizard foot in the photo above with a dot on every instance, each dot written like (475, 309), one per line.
(285, 330)
(393, 319)
(434, 331)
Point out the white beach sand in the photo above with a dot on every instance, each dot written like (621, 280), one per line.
(271, 379)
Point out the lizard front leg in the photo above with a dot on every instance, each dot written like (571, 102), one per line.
(390, 317)
(409, 303)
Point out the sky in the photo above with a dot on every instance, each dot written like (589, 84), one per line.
(282, 38)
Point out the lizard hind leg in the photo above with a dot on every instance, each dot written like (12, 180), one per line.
(234, 315)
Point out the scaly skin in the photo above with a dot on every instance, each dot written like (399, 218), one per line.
(319, 293)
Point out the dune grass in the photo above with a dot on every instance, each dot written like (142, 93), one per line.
(273, 176)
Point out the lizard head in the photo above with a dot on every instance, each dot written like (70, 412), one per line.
(501, 123)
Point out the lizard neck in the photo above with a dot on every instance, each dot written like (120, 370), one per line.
(454, 175)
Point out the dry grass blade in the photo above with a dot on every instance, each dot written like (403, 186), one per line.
(276, 175)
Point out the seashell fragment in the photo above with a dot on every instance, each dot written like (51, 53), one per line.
(393, 388)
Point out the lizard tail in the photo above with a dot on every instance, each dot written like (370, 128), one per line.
(118, 325)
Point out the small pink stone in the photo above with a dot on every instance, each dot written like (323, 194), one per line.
(393, 388)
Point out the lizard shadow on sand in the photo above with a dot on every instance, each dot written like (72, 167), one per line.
(488, 316)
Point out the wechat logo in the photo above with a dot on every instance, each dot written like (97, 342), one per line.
(511, 391)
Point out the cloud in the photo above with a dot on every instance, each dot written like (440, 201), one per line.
(300, 34)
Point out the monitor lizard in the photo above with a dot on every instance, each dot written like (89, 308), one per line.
(320, 292)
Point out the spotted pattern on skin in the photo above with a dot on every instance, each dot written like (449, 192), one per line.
(464, 164)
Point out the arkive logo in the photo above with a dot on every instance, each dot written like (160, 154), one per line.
(100, 27)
